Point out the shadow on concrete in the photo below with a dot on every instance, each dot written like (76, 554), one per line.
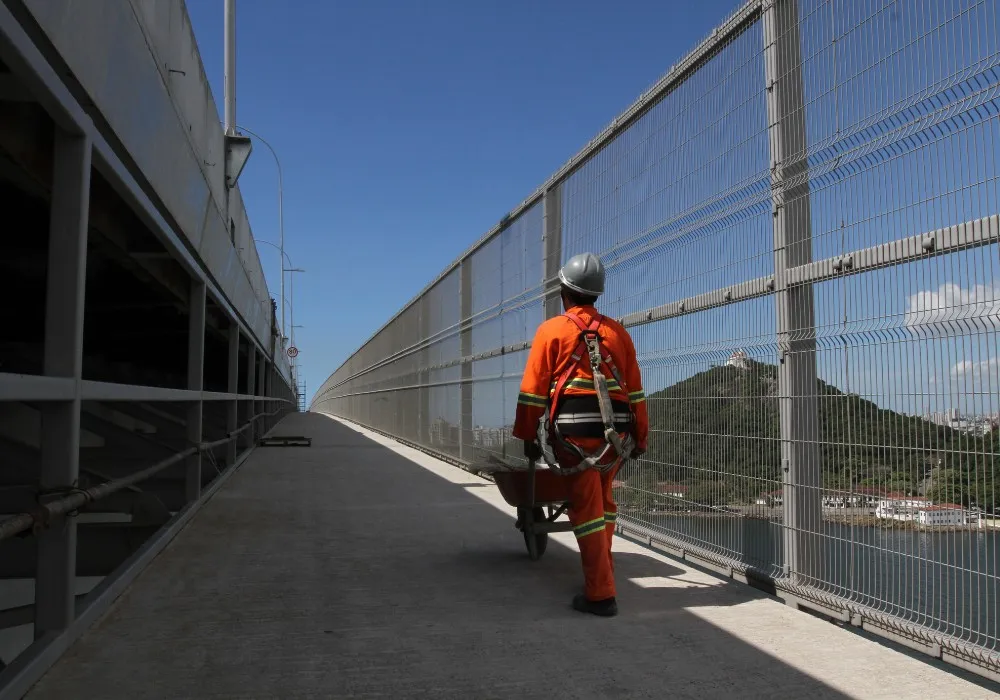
(346, 570)
(477, 581)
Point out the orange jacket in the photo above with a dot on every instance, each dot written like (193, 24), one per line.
(554, 343)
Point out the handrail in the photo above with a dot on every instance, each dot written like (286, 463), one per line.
(42, 515)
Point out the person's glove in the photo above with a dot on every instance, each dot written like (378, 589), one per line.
(532, 451)
(637, 452)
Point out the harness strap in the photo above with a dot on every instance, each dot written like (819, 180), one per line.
(563, 378)
(607, 359)
(590, 343)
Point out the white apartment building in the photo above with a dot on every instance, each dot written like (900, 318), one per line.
(920, 510)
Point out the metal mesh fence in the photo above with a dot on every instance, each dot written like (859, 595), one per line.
(800, 227)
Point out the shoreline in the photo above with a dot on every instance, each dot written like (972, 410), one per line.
(859, 520)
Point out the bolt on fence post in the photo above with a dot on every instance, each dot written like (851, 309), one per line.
(796, 332)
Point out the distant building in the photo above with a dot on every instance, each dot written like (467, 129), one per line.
(672, 490)
(974, 425)
(870, 495)
(858, 497)
(842, 499)
(942, 514)
(739, 360)
(917, 509)
(771, 498)
(487, 437)
(442, 433)
(899, 506)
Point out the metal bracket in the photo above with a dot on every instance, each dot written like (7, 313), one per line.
(843, 263)
(238, 150)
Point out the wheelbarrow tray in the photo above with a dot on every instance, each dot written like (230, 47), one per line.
(538, 508)
(515, 487)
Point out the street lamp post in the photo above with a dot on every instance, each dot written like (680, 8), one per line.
(230, 65)
(292, 270)
(297, 365)
(284, 258)
(281, 222)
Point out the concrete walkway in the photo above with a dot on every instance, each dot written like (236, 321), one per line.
(357, 568)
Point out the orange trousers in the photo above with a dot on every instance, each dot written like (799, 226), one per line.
(593, 513)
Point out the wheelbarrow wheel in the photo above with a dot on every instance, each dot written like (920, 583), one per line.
(538, 541)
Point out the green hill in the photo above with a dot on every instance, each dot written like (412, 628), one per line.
(722, 425)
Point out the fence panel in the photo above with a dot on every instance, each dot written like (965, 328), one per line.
(800, 224)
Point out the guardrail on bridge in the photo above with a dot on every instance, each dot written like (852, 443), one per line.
(800, 224)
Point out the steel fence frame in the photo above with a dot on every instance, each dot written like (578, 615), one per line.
(64, 398)
(432, 356)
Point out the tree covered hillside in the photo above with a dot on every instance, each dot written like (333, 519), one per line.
(725, 419)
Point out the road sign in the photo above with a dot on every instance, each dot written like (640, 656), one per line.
(293, 351)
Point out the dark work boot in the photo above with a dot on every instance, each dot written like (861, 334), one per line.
(604, 608)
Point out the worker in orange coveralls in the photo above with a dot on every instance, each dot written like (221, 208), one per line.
(559, 417)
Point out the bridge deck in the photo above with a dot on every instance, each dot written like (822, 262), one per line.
(346, 570)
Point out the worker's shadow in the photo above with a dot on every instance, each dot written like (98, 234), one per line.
(646, 583)
(483, 604)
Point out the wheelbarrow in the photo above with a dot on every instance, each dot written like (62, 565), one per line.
(540, 496)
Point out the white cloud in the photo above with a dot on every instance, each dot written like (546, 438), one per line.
(976, 371)
(953, 309)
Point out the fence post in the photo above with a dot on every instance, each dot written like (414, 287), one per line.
(251, 389)
(261, 391)
(272, 371)
(269, 391)
(423, 376)
(465, 294)
(55, 573)
(233, 407)
(552, 248)
(799, 423)
(413, 395)
(196, 373)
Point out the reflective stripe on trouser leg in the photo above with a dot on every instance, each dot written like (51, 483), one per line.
(609, 532)
(590, 528)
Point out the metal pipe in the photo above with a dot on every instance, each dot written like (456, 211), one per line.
(285, 257)
(291, 305)
(275, 246)
(76, 500)
(281, 222)
(230, 49)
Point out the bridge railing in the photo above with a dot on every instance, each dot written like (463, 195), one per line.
(801, 232)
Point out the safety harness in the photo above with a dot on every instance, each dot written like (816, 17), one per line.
(555, 422)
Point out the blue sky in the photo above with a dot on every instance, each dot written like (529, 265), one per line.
(410, 134)
(407, 129)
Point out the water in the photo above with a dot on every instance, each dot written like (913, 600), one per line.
(946, 581)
